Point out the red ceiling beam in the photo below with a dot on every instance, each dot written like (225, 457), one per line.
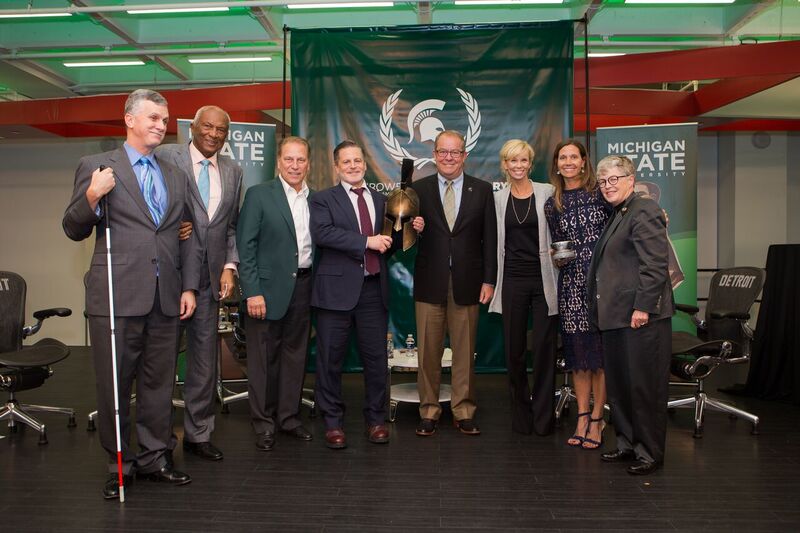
(183, 103)
(701, 64)
(724, 92)
(757, 125)
(635, 102)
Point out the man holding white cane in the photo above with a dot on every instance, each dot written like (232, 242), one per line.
(154, 278)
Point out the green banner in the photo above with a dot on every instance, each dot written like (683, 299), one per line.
(665, 156)
(391, 90)
(251, 145)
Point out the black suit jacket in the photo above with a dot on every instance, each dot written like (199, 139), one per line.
(472, 244)
(340, 247)
(629, 266)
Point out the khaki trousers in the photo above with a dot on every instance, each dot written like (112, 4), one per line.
(461, 323)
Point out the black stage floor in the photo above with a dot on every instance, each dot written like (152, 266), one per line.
(500, 481)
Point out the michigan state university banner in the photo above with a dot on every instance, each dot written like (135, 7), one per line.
(392, 90)
(665, 157)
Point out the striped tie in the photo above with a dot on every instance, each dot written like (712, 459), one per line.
(149, 191)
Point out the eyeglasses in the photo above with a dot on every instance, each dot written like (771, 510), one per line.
(611, 180)
(455, 154)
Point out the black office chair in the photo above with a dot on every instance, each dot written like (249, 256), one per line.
(723, 339)
(23, 368)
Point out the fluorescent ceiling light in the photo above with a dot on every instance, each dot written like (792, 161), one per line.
(606, 54)
(679, 1)
(228, 59)
(340, 5)
(33, 15)
(504, 2)
(176, 10)
(129, 63)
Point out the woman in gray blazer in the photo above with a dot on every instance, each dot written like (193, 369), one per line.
(526, 284)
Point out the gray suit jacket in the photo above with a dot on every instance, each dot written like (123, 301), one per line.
(143, 256)
(629, 267)
(217, 237)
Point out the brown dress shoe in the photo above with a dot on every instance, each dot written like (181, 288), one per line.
(467, 426)
(335, 439)
(426, 427)
(378, 434)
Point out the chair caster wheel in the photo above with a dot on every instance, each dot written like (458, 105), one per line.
(90, 425)
(42, 439)
(13, 429)
(755, 431)
(71, 422)
(698, 434)
(225, 409)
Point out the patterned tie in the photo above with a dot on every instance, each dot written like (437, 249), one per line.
(149, 191)
(204, 183)
(450, 205)
(371, 261)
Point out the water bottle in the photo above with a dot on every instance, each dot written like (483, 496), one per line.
(410, 344)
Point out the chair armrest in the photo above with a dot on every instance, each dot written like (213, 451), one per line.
(730, 314)
(688, 309)
(40, 317)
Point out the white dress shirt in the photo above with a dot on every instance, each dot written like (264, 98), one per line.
(215, 182)
(370, 207)
(298, 205)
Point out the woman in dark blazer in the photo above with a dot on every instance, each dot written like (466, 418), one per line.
(526, 284)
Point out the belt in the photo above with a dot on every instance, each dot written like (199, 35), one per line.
(372, 276)
(303, 272)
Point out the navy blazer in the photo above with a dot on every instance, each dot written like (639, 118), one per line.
(340, 247)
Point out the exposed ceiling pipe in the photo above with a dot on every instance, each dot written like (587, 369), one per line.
(144, 51)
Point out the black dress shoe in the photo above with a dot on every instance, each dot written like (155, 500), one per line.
(206, 450)
(467, 426)
(265, 441)
(166, 475)
(643, 468)
(111, 488)
(618, 455)
(300, 433)
(426, 427)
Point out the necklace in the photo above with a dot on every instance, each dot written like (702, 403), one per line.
(514, 208)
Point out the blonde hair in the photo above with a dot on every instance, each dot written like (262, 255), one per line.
(588, 179)
(514, 148)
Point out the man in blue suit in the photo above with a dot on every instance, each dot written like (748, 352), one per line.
(351, 287)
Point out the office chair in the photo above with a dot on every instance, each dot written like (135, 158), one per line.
(723, 339)
(26, 367)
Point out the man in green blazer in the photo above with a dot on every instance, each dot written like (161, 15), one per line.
(275, 256)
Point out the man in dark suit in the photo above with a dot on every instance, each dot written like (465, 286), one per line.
(155, 279)
(275, 256)
(215, 186)
(456, 268)
(630, 301)
(351, 288)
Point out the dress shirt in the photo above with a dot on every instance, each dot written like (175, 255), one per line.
(370, 207)
(458, 187)
(298, 205)
(214, 180)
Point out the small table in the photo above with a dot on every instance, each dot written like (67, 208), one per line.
(405, 360)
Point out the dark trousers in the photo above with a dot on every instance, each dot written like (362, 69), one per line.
(370, 319)
(637, 377)
(146, 352)
(199, 384)
(523, 296)
(276, 362)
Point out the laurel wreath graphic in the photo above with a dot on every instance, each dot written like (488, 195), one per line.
(398, 152)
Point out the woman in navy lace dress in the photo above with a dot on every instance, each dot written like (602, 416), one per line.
(577, 212)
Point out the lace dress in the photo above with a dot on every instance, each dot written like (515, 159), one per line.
(582, 221)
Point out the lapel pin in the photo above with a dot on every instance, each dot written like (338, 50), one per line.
(469, 189)
(624, 209)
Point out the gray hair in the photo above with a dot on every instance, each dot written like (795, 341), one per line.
(138, 96)
(616, 161)
(205, 108)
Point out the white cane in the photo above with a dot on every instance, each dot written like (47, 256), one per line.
(107, 215)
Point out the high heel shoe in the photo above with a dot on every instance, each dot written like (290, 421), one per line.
(591, 444)
(577, 440)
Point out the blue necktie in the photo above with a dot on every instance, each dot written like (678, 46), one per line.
(204, 182)
(149, 191)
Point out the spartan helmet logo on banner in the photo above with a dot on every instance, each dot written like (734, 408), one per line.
(424, 126)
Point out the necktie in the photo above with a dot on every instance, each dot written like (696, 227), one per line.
(450, 205)
(204, 182)
(149, 191)
(371, 261)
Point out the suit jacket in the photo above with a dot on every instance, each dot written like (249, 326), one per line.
(267, 243)
(629, 266)
(217, 237)
(541, 192)
(143, 256)
(472, 244)
(339, 263)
